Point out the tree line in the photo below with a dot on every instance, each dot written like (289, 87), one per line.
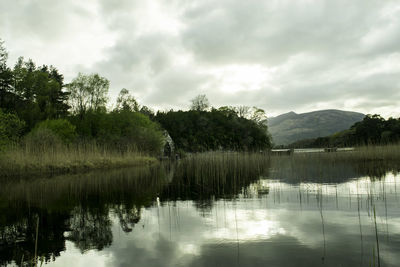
(372, 130)
(36, 104)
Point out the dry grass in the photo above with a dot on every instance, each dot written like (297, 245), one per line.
(372, 161)
(365, 153)
(29, 161)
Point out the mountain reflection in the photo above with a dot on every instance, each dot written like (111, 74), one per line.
(85, 209)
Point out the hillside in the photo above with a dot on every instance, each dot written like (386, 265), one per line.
(290, 127)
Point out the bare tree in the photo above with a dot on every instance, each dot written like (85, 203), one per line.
(3, 54)
(251, 113)
(243, 111)
(200, 103)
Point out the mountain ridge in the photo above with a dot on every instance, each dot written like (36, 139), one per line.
(290, 127)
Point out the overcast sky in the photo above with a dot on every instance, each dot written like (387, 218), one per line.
(279, 55)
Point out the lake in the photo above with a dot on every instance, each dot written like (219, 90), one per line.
(216, 209)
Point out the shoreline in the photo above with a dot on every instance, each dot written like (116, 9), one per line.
(17, 165)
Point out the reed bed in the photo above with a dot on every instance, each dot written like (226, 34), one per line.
(333, 167)
(216, 174)
(116, 186)
(72, 207)
(22, 161)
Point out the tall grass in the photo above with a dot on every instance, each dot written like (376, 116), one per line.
(42, 159)
(383, 152)
(215, 175)
(372, 161)
(72, 207)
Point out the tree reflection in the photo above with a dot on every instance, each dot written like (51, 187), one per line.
(77, 205)
(78, 208)
(90, 228)
(17, 234)
(128, 217)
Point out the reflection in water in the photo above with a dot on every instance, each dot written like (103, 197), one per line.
(74, 208)
(90, 228)
(218, 210)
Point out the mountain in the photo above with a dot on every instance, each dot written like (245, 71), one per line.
(290, 127)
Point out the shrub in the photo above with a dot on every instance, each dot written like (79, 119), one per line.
(60, 127)
(42, 139)
(11, 128)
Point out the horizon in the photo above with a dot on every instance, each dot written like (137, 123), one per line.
(278, 56)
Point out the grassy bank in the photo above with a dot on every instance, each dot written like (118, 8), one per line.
(22, 161)
(364, 153)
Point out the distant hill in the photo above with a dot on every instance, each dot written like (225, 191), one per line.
(290, 127)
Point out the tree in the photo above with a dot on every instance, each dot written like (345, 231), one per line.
(5, 73)
(218, 129)
(88, 93)
(126, 101)
(200, 103)
(98, 90)
(33, 93)
(60, 127)
(10, 128)
(147, 111)
(3, 54)
(243, 111)
(251, 113)
(258, 115)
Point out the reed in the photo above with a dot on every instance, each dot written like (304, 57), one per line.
(28, 160)
(334, 167)
(366, 153)
(216, 174)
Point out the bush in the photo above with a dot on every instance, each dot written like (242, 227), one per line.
(120, 130)
(42, 139)
(11, 128)
(60, 127)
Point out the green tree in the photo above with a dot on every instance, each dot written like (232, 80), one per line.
(214, 130)
(126, 101)
(37, 93)
(5, 75)
(147, 111)
(88, 92)
(11, 128)
(60, 127)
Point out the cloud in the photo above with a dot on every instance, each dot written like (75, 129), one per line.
(278, 55)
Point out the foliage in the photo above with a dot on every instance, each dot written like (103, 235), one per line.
(372, 130)
(5, 72)
(147, 111)
(120, 129)
(251, 113)
(40, 140)
(88, 93)
(60, 127)
(10, 129)
(55, 114)
(218, 129)
(126, 102)
(200, 103)
(33, 93)
(3, 54)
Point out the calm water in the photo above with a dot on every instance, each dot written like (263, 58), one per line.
(283, 211)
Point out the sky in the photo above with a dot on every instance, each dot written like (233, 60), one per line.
(279, 55)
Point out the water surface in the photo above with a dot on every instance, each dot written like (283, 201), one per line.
(229, 211)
